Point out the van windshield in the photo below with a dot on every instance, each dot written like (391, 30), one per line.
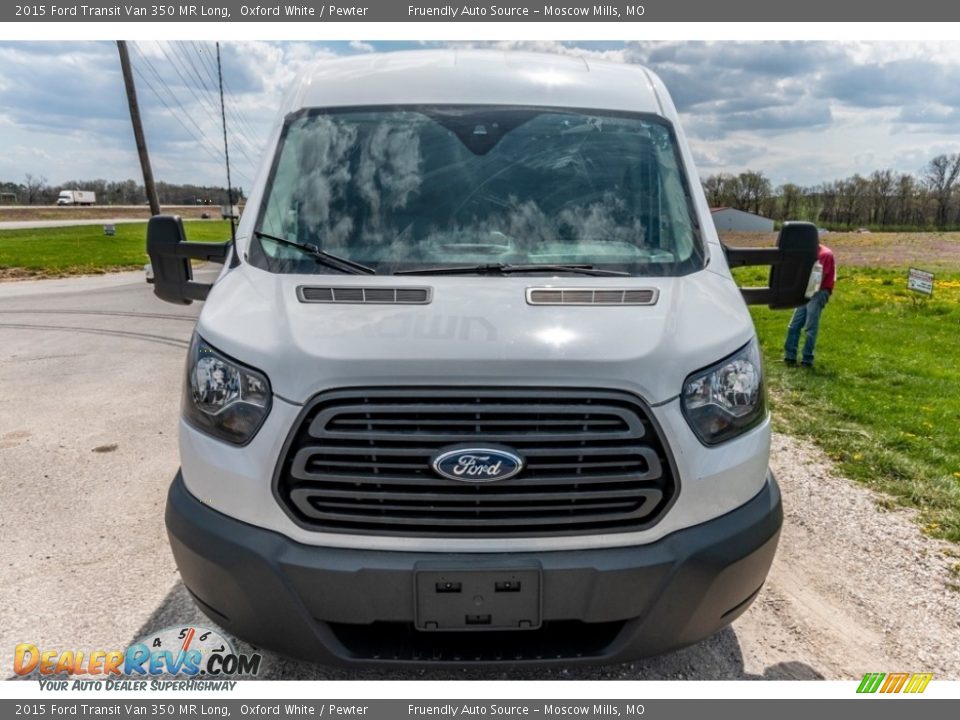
(400, 189)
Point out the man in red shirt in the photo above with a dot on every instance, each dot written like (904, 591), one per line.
(807, 317)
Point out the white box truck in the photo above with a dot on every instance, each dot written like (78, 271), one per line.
(77, 197)
(229, 211)
(475, 384)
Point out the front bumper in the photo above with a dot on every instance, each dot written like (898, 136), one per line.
(342, 606)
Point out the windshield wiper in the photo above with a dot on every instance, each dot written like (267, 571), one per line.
(322, 256)
(506, 269)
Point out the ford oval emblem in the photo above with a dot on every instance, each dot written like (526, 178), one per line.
(477, 464)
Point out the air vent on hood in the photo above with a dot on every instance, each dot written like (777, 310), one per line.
(592, 296)
(364, 295)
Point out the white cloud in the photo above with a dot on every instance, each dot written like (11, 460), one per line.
(803, 112)
(360, 46)
(548, 46)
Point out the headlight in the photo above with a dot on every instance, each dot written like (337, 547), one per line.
(726, 399)
(222, 397)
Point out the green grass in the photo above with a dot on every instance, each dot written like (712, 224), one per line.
(883, 399)
(85, 249)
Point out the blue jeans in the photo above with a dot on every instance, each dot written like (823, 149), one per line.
(806, 317)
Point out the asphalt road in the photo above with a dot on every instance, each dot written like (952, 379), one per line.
(89, 371)
(22, 217)
(30, 224)
(71, 207)
(90, 378)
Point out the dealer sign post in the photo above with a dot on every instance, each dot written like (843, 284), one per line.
(920, 281)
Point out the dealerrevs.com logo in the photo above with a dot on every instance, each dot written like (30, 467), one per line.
(186, 654)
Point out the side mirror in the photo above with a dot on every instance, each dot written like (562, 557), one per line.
(791, 263)
(170, 256)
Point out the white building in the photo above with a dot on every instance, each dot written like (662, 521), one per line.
(731, 220)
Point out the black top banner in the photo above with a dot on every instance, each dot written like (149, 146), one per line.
(507, 11)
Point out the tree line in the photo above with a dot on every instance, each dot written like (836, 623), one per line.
(883, 199)
(35, 190)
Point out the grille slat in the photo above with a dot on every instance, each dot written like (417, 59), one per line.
(462, 520)
(366, 422)
(467, 434)
(416, 495)
(429, 480)
(313, 465)
(360, 462)
(551, 450)
(484, 509)
(484, 418)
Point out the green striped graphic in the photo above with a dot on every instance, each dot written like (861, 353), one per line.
(871, 682)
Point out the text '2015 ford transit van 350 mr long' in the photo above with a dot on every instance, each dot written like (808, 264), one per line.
(475, 383)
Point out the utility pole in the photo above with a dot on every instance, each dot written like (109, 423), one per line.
(148, 184)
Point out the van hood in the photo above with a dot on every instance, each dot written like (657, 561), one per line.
(474, 331)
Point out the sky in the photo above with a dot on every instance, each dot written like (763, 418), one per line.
(803, 112)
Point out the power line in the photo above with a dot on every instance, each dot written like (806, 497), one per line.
(201, 142)
(172, 96)
(238, 114)
(183, 59)
(185, 53)
(176, 66)
(233, 112)
(241, 129)
(226, 149)
(206, 141)
(241, 115)
(183, 63)
(205, 60)
(238, 130)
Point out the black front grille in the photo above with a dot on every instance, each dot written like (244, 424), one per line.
(360, 463)
(402, 642)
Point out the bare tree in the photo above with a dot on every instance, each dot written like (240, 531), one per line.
(721, 189)
(750, 191)
(881, 187)
(33, 188)
(940, 176)
(756, 189)
(906, 199)
(791, 197)
(884, 198)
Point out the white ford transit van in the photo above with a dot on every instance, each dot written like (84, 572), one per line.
(475, 384)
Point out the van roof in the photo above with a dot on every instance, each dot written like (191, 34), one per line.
(468, 76)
